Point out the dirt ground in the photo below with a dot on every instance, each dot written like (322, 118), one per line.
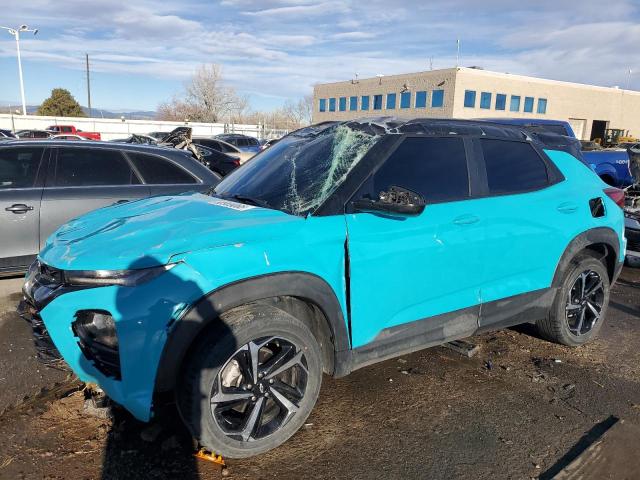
(521, 408)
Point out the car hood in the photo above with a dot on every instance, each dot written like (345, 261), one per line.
(149, 232)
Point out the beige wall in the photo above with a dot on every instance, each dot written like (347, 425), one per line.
(579, 104)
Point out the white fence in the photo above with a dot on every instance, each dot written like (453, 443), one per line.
(112, 128)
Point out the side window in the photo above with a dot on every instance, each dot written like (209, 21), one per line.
(19, 167)
(80, 167)
(242, 142)
(513, 167)
(66, 129)
(421, 99)
(158, 171)
(323, 105)
(436, 168)
(364, 103)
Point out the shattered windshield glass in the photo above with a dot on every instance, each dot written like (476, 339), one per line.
(300, 172)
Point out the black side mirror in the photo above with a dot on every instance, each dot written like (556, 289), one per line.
(395, 201)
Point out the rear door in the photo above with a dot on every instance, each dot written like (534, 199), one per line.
(21, 178)
(163, 176)
(81, 179)
(404, 269)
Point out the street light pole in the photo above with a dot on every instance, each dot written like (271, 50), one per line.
(16, 33)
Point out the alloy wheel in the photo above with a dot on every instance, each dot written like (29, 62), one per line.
(584, 303)
(259, 389)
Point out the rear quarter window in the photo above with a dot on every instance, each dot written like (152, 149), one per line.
(513, 167)
(159, 171)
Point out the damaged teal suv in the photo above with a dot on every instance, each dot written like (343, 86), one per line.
(343, 245)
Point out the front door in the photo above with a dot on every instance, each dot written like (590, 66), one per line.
(20, 193)
(406, 269)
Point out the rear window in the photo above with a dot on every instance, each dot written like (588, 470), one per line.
(19, 167)
(513, 167)
(81, 167)
(158, 171)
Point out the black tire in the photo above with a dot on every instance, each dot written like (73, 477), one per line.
(222, 364)
(562, 324)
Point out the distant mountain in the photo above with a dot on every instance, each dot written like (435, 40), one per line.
(8, 107)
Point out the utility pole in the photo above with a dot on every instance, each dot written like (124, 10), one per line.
(457, 53)
(16, 33)
(86, 56)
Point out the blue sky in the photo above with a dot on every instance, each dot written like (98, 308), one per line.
(273, 50)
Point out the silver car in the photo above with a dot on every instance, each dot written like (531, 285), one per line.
(44, 184)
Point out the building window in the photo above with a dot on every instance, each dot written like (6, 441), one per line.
(542, 105)
(528, 104)
(515, 103)
(501, 101)
(323, 105)
(470, 98)
(364, 102)
(485, 100)
(353, 104)
(437, 98)
(391, 101)
(421, 99)
(343, 104)
(405, 100)
(332, 104)
(377, 102)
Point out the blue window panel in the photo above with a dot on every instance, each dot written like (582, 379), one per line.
(528, 104)
(501, 101)
(364, 102)
(377, 102)
(542, 105)
(323, 105)
(421, 99)
(405, 100)
(515, 103)
(437, 98)
(332, 104)
(485, 100)
(470, 98)
(391, 101)
(343, 104)
(353, 104)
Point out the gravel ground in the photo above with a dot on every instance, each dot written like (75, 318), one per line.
(521, 408)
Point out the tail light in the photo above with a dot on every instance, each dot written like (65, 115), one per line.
(236, 161)
(616, 195)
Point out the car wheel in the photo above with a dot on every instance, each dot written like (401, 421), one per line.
(250, 387)
(580, 306)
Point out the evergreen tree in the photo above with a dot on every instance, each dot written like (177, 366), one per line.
(61, 104)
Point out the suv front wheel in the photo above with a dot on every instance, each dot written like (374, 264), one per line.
(251, 383)
(580, 305)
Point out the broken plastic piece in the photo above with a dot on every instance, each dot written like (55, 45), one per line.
(462, 347)
(204, 454)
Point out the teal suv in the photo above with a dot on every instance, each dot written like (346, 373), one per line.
(342, 245)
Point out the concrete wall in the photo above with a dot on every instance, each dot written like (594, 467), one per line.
(111, 128)
(424, 81)
(577, 103)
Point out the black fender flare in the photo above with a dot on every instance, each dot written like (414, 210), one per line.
(598, 235)
(208, 308)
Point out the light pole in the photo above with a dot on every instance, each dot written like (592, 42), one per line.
(16, 33)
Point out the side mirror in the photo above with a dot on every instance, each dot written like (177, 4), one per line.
(395, 201)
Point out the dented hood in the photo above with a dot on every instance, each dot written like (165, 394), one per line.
(149, 232)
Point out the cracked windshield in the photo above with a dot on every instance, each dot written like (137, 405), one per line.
(300, 172)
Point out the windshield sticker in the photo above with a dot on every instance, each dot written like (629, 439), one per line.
(232, 205)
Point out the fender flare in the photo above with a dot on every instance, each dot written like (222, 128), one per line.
(598, 235)
(208, 308)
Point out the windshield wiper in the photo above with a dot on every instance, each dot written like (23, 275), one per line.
(258, 202)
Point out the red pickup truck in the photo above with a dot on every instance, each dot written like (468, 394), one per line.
(71, 130)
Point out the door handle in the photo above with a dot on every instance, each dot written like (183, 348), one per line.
(121, 201)
(567, 207)
(466, 220)
(19, 208)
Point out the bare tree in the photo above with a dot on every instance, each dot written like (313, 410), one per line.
(206, 99)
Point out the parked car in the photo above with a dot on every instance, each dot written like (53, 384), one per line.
(29, 134)
(45, 183)
(238, 300)
(158, 135)
(612, 165)
(6, 135)
(74, 138)
(218, 162)
(269, 143)
(71, 130)
(244, 143)
(138, 139)
(224, 147)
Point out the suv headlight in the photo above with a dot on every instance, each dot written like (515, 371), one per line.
(125, 278)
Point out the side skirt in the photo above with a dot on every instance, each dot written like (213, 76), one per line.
(437, 330)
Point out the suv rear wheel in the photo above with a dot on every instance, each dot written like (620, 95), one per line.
(580, 305)
(249, 389)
